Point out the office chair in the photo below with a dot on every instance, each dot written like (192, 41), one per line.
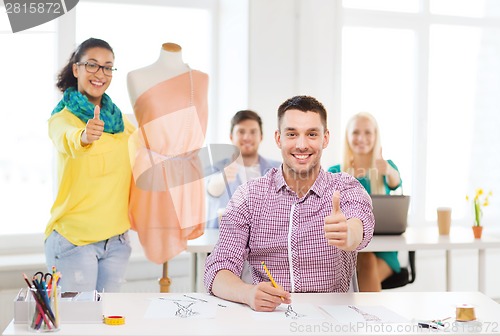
(353, 287)
(406, 276)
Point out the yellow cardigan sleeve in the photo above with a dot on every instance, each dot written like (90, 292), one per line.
(65, 130)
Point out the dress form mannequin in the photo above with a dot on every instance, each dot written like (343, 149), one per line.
(168, 65)
(167, 205)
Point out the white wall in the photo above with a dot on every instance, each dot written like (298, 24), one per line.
(291, 53)
(231, 65)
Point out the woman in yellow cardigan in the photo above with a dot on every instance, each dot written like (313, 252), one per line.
(87, 234)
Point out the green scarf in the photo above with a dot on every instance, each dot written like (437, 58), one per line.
(79, 105)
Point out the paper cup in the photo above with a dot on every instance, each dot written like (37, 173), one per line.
(444, 220)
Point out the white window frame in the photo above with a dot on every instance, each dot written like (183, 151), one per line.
(420, 24)
(16, 244)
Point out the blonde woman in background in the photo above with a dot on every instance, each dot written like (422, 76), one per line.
(363, 159)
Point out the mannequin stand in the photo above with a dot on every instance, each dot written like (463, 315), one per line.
(165, 280)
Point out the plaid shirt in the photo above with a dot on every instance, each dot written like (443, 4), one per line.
(266, 221)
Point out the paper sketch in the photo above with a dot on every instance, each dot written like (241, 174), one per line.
(291, 312)
(369, 314)
(180, 307)
(185, 311)
(366, 316)
(212, 298)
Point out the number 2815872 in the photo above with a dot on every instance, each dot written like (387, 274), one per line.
(33, 8)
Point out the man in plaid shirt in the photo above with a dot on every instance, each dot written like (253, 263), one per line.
(306, 224)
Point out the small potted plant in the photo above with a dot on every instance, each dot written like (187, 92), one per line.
(480, 200)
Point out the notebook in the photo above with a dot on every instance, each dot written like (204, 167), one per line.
(391, 213)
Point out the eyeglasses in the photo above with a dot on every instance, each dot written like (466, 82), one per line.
(93, 68)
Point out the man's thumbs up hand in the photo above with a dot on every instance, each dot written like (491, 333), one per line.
(93, 129)
(336, 203)
(336, 229)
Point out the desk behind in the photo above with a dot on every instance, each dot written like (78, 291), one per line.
(414, 239)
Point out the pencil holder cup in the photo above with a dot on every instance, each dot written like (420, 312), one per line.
(43, 309)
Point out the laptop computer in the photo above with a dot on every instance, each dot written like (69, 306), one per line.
(391, 213)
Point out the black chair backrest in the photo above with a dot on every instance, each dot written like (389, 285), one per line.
(406, 276)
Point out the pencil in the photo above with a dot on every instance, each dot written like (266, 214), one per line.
(55, 293)
(275, 285)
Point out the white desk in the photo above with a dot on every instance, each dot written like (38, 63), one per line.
(241, 320)
(414, 239)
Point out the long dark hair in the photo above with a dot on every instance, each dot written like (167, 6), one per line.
(66, 79)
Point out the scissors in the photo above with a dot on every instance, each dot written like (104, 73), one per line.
(41, 279)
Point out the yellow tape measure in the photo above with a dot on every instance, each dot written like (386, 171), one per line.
(114, 320)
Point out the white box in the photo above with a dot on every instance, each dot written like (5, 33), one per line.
(85, 307)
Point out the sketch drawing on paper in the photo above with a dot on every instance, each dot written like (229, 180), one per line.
(292, 314)
(366, 316)
(185, 311)
(180, 307)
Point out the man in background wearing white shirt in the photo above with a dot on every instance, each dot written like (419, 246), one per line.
(246, 135)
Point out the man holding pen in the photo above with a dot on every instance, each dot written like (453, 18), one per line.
(306, 224)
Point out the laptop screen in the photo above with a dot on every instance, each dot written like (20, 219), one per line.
(391, 213)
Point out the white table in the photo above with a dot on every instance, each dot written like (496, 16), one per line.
(236, 319)
(414, 239)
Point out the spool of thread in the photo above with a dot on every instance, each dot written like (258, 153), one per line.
(465, 313)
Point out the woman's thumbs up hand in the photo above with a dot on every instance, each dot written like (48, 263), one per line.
(93, 129)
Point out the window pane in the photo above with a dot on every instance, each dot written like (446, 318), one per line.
(26, 155)
(469, 8)
(452, 86)
(4, 19)
(378, 77)
(137, 33)
(410, 6)
(484, 158)
(463, 137)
